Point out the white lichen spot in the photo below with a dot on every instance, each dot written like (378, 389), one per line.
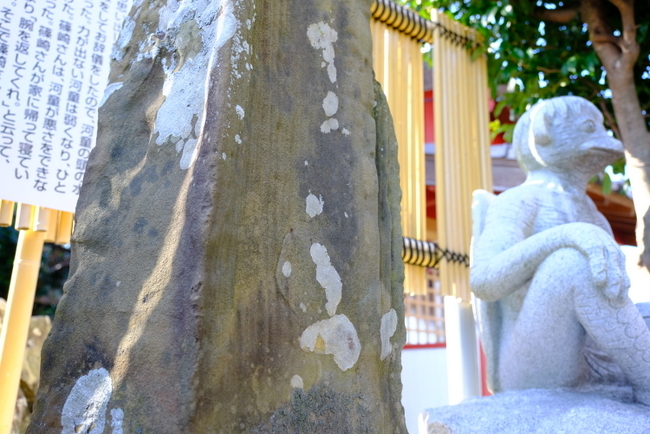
(327, 276)
(85, 408)
(186, 85)
(117, 419)
(314, 205)
(189, 153)
(345, 214)
(296, 382)
(238, 139)
(331, 104)
(331, 72)
(336, 336)
(303, 307)
(306, 163)
(386, 331)
(223, 155)
(240, 111)
(329, 125)
(345, 132)
(322, 36)
(109, 91)
(123, 39)
(286, 268)
(118, 283)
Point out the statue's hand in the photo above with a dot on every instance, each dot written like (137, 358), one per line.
(606, 261)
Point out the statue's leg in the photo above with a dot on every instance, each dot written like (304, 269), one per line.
(618, 327)
(548, 336)
(542, 346)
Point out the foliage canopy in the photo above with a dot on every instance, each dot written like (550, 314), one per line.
(539, 49)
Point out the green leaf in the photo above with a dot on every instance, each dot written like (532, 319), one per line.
(507, 134)
(570, 66)
(519, 53)
(618, 166)
(499, 107)
(479, 51)
(607, 184)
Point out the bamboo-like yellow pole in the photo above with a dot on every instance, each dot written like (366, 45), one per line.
(50, 235)
(24, 217)
(42, 219)
(6, 213)
(467, 160)
(15, 326)
(441, 127)
(462, 165)
(64, 229)
(398, 67)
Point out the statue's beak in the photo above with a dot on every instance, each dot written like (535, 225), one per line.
(606, 145)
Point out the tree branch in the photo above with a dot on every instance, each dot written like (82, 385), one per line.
(610, 118)
(548, 70)
(561, 16)
(600, 38)
(600, 33)
(630, 47)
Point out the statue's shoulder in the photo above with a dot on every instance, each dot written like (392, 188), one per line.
(524, 194)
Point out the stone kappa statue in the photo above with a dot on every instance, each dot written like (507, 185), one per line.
(550, 279)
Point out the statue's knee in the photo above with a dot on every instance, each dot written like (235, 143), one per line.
(566, 265)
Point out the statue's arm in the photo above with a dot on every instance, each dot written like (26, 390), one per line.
(506, 258)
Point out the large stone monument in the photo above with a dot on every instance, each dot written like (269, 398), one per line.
(236, 260)
(550, 279)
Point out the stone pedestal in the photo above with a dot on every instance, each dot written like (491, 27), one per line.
(594, 409)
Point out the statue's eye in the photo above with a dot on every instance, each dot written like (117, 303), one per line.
(588, 126)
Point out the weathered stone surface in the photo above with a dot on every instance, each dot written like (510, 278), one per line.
(39, 327)
(243, 189)
(597, 410)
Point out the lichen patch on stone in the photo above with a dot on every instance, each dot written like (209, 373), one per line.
(327, 276)
(186, 85)
(286, 268)
(117, 418)
(296, 382)
(329, 125)
(386, 331)
(331, 104)
(322, 37)
(85, 408)
(189, 153)
(109, 91)
(336, 336)
(314, 205)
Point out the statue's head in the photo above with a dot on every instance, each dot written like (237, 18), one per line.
(564, 133)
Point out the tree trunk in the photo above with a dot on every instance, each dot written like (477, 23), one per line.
(618, 55)
(236, 259)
